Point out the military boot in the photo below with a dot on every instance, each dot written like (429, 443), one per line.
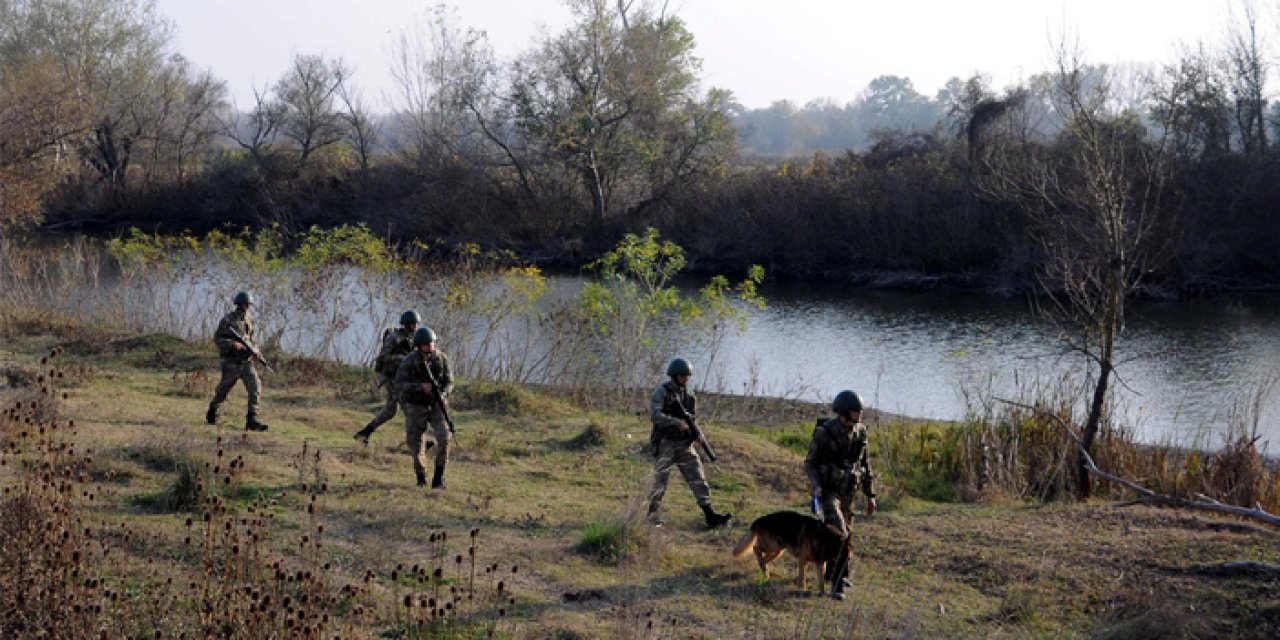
(362, 436)
(437, 480)
(251, 423)
(655, 514)
(211, 416)
(715, 519)
(422, 478)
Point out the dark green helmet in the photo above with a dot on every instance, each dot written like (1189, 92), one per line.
(423, 336)
(679, 367)
(410, 317)
(845, 402)
(244, 297)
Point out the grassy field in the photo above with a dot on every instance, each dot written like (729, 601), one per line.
(199, 530)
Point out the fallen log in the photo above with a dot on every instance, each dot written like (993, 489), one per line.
(1202, 502)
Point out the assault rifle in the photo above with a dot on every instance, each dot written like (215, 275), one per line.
(254, 353)
(438, 396)
(693, 428)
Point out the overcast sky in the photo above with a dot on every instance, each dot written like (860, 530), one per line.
(762, 50)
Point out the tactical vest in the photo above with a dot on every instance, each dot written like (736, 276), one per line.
(842, 474)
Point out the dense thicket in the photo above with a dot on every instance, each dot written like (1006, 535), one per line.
(604, 129)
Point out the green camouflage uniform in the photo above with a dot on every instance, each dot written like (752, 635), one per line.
(671, 447)
(420, 410)
(397, 344)
(837, 462)
(236, 364)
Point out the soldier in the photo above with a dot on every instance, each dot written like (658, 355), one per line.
(836, 466)
(396, 344)
(416, 382)
(672, 442)
(234, 338)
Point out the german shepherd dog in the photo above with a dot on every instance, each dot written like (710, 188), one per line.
(810, 540)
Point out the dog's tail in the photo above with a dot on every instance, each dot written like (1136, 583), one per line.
(744, 546)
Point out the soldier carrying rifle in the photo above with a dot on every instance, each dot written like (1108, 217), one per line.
(423, 382)
(671, 409)
(239, 353)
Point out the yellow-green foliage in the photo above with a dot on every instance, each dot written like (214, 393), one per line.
(635, 292)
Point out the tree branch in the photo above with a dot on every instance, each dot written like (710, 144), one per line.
(1202, 502)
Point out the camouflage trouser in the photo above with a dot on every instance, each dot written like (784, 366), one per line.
(417, 417)
(388, 410)
(837, 509)
(682, 455)
(234, 369)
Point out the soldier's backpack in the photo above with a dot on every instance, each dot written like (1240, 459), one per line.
(378, 365)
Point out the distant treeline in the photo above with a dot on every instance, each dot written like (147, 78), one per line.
(603, 129)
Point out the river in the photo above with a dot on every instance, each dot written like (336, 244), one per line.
(1186, 368)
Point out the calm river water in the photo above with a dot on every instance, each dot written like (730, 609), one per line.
(1186, 365)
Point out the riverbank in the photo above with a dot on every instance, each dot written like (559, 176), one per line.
(552, 493)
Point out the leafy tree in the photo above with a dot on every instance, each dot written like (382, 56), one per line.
(891, 102)
(39, 116)
(613, 101)
(108, 51)
(635, 293)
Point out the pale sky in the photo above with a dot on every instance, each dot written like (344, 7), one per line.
(762, 50)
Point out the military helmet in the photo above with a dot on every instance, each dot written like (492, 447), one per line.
(244, 297)
(423, 335)
(845, 402)
(410, 317)
(679, 367)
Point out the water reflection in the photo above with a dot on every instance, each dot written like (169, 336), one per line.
(1184, 365)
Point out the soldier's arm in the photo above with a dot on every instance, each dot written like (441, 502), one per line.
(865, 464)
(666, 424)
(813, 461)
(446, 376)
(222, 336)
(388, 345)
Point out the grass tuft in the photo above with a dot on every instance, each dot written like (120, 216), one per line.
(593, 436)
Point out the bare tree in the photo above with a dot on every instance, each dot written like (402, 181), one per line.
(1247, 69)
(1090, 198)
(441, 74)
(362, 133)
(176, 117)
(256, 130)
(307, 104)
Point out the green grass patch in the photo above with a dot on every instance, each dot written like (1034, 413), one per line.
(795, 442)
(609, 542)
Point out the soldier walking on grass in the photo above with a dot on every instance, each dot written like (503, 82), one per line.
(424, 382)
(237, 349)
(672, 441)
(396, 345)
(836, 467)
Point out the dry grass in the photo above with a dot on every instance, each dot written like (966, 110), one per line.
(299, 532)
